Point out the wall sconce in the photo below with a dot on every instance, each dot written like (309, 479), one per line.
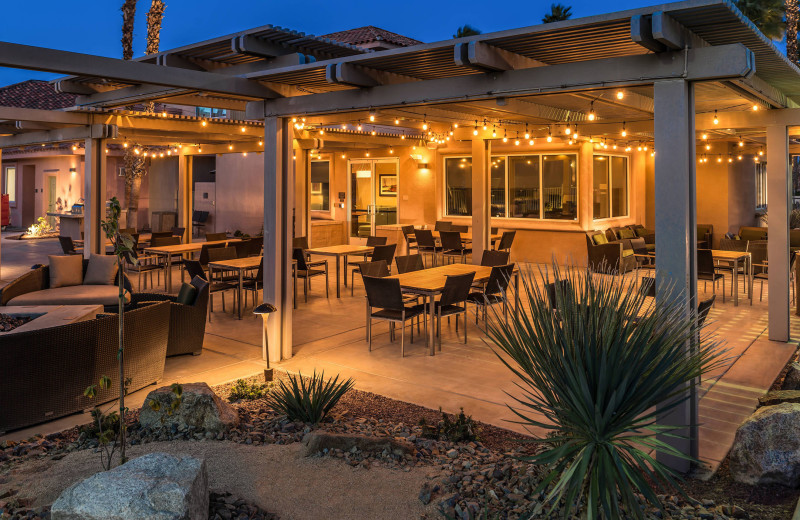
(422, 166)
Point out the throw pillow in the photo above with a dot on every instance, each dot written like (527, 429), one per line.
(102, 270)
(187, 294)
(65, 270)
(626, 233)
(600, 238)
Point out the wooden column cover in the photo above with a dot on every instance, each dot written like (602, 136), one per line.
(94, 195)
(481, 216)
(185, 202)
(778, 193)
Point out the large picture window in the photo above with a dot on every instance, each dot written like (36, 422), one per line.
(458, 185)
(10, 184)
(522, 186)
(320, 185)
(610, 186)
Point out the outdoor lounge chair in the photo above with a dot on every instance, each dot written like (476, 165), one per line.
(187, 321)
(609, 257)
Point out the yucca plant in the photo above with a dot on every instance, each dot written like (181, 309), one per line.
(307, 401)
(592, 371)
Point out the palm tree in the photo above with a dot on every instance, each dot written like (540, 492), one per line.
(791, 30)
(767, 15)
(558, 13)
(128, 15)
(466, 30)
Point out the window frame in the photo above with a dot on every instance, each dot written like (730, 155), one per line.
(611, 186)
(330, 168)
(540, 155)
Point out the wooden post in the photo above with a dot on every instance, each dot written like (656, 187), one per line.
(185, 194)
(481, 215)
(94, 195)
(778, 195)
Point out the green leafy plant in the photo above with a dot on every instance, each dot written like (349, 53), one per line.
(244, 389)
(310, 401)
(106, 426)
(462, 429)
(593, 371)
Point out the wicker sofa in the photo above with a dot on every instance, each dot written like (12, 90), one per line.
(187, 323)
(609, 256)
(45, 372)
(33, 288)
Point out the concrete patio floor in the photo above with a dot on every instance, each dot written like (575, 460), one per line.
(329, 335)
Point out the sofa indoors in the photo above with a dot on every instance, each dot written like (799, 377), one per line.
(72, 280)
(45, 372)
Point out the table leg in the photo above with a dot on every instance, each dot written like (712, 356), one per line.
(345, 270)
(337, 276)
(516, 295)
(736, 282)
(168, 275)
(241, 271)
(431, 333)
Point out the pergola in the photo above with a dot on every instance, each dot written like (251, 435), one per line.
(687, 67)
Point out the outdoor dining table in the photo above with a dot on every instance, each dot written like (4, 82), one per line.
(339, 252)
(238, 265)
(466, 237)
(430, 282)
(182, 249)
(733, 258)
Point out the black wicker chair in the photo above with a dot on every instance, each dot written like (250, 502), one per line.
(187, 323)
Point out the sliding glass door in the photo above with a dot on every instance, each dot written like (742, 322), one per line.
(373, 188)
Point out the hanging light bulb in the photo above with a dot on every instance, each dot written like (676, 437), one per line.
(755, 108)
(321, 131)
(145, 154)
(374, 132)
(494, 131)
(708, 147)
(125, 144)
(344, 156)
(230, 147)
(359, 126)
(425, 122)
(136, 151)
(367, 154)
(620, 94)
(575, 133)
(261, 143)
(485, 127)
(738, 157)
(344, 126)
(730, 159)
(372, 117)
(549, 135)
(592, 116)
(568, 130)
(396, 121)
(199, 149)
(624, 131)
(741, 142)
(403, 136)
(761, 152)
(106, 150)
(704, 137)
(243, 129)
(716, 119)
(531, 142)
(391, 150)
(74, 147)
(475, 131)
(169, 152)
(203, 123)
(505, 137)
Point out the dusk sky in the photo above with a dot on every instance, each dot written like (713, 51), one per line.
(94, 26)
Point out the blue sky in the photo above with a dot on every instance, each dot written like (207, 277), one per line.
(94, 26)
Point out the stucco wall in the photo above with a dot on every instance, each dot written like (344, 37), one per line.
(239, 193)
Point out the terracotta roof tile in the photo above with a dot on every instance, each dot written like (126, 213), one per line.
(370, 34)
(34, 93)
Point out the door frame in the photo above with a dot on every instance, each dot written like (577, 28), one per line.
(373, 185)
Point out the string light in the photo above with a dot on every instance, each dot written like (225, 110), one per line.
(199, 149)
(367, 154)
(391, 150)
(321, 131)
(125, 144)
(455, 125)
(505, 137)
(527, 134)
(203, 123)
(485, 126)
(106, 150)
(704, 137)
(568, 130)
(755, 108)
(261, 143)
(475, 131)
(74, 147)
(620, 94)
(372, 116)
(243, 129)
(230, 147)
(344, 156)
(530, 142)
(575, 133)
(374, 132)
(244, 154)
(425, 122)
(592, 115)
(403, 136)
(344, 126)
(761, 152)
(136, 151)
(741, 142)
(549, 135)
(716, 119)
(708, 147)
(359, 126)
(739, 158)
(161, 154)
(494, 131)
(624, 131)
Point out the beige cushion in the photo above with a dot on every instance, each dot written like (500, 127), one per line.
(65, 270)
(73, 295)
(102, 270)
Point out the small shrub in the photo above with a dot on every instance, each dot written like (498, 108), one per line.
(463, 429)
(307, 402)
(175, 403)
(245, 390)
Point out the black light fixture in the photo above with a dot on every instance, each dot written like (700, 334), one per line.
(264, 310)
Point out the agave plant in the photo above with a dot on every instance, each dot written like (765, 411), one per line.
(593, 365)
(310, 401)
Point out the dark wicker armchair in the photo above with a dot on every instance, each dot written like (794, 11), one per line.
(45, 372)
(609, 256)
(38, 279)
(187, 323)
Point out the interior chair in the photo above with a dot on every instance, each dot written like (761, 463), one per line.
(707, 272)
(409, 263)
(453, 302)
(426, 244)
(443, 225)
(307, 271)
(494, 292)
(408, 235)
(383, 254)
(242, 248)
(453, 247)
(68, 246)
(195, 268)
(385, 295)
(506, 241)
(216, 237)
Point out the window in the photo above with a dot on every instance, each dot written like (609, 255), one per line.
(610, 186)
(211, 112)
(320, 186)
(521, 186)
(10, 184)
(458, 185)
(761, 185)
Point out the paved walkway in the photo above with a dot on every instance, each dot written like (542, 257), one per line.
(329, 335)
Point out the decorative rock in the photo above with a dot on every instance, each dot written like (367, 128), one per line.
(779, 396)
(792, 379)
(157, 486)
(316, 442)
(766, 449)
(200, 409)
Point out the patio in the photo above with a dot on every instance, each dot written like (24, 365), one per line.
(329, 335)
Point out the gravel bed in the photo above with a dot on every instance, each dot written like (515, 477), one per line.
(485, 478)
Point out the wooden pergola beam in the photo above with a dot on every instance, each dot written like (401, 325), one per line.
(50, 60)
(77, 133)
(44, 116)
(485, 57)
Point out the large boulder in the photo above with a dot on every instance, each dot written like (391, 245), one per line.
(200, 409)
(792, 379)
(157, 486)
(766, 449)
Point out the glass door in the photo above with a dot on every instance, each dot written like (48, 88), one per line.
(373, 196)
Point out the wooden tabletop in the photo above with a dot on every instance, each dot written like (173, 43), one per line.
(468, 236)
(344, 249)
(722, 254)
(249, 262)
(186, 248)
(433, 279)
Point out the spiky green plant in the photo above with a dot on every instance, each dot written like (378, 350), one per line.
(307, 401)
(592, 372)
